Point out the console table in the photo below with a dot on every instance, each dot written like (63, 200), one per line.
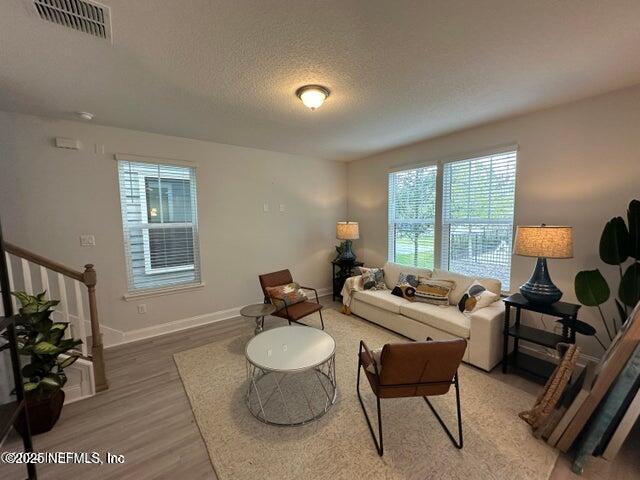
(342, 271)
(568, 317)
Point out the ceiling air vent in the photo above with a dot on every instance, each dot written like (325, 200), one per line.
(87, 17)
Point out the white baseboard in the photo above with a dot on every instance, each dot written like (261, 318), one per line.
(112, 337)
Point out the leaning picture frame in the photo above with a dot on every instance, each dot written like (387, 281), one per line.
(610, 366)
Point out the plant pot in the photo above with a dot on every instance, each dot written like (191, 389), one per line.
(44, 412)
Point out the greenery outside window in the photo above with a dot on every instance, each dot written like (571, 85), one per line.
(455, 215)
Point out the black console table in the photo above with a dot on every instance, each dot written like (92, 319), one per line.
(342, 271)
(568, 317)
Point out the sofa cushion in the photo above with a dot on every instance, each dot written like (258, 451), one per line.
(448, 319)
(392, 273)
(382, 299)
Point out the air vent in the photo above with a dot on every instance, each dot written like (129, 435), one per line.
(87, 17)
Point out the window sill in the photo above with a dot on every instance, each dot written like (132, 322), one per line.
(128, 297)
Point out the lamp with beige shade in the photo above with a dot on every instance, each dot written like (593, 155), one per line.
(543, 241)
(346, 231)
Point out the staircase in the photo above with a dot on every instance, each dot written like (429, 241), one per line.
(76, 290)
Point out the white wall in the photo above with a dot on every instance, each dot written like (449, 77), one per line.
(49, 196)
(578, 165)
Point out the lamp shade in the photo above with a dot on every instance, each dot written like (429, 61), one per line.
(545, 241)
(347, 231)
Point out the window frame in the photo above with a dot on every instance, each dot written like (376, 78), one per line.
(439, 225)
(170, 287)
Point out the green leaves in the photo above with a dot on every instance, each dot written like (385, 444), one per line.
(591, 288)
(633, 217)
(614, 242)
(629, 291)
(43, 340)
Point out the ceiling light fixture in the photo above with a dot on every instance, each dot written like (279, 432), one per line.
(85, 115)
(313, 96)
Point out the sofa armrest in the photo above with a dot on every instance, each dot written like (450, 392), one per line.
(351, 285)
(485, 336)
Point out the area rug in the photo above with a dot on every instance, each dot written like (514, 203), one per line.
(497, 444)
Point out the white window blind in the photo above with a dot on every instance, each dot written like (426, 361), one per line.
(412, 212)
(477, 216)
(159, 219)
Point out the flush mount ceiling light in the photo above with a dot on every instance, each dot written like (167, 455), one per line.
(313, 96)
(85, 115)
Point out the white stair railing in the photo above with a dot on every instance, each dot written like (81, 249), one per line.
(20, 267)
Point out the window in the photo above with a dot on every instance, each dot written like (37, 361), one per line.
(477, 216)
(412, 213)
(475, 225)
(160, 224)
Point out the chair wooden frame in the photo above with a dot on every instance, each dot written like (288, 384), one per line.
(379, 443)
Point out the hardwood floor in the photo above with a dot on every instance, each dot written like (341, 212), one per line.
(145, 416)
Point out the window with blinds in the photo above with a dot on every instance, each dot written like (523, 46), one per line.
(475, 227)
(412, 213)
(159, 218)
(477, 216)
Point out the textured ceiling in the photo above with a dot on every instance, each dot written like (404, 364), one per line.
(399, 71)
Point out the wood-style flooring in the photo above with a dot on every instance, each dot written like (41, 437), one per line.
(145, 416)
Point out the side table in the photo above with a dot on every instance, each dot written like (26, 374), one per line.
(342, 271)
(568, 317)
(258, 311)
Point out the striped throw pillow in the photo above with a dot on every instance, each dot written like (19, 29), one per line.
(435, 292)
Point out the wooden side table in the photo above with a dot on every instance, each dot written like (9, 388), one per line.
(568, 316)
(342, 271)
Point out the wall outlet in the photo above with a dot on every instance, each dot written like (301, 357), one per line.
(87, 240)
(142, 308)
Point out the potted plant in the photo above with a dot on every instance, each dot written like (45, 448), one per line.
(619, 246)
(42, 340)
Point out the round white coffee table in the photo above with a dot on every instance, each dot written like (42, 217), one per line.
(291, 377)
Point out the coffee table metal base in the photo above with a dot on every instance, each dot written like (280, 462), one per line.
(291, 398)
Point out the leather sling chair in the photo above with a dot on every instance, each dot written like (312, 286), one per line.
(292, 313)
(413, 369)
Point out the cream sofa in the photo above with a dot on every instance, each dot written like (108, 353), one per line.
(416, 320)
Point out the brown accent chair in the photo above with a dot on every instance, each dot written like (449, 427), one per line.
(413, 369)
(292, 313)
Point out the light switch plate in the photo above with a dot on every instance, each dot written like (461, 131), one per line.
(87, 240)
(283, 208)
(265, 207)
(142, 308)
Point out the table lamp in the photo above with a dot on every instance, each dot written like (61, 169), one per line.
(346, 231)
(542, 241)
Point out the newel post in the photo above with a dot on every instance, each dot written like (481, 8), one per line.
(90, 279)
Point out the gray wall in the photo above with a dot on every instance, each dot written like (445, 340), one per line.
(50, 196)
(578, 165)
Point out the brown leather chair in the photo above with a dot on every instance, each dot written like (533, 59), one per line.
(292, 313)
(413, 369)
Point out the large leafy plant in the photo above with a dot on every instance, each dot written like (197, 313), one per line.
(42, 340)
(619, 246)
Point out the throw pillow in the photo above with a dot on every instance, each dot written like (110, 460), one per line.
(372, 279)
(286, 295)
(433, 291)
(376, 353)
(405, 291)
(408, 279)
(476, 297)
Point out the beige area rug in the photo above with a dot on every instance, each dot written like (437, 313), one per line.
(497, 444)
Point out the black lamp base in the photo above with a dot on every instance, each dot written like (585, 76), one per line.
(346, 255)
(540, 289)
